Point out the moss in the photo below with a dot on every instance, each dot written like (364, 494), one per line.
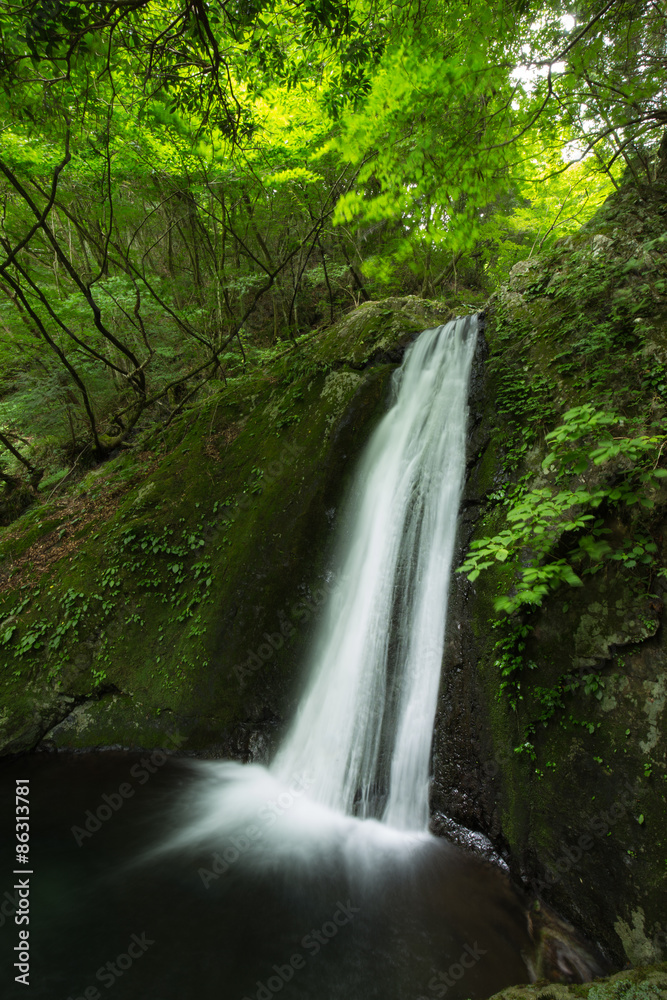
(183, 605)
(377, 327)
(645, 983)
(576, 744)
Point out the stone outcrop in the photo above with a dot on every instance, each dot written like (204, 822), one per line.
(177, 613)
(570, 785)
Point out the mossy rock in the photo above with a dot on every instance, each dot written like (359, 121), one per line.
(168, 599)
(571, 784)
(644, 983)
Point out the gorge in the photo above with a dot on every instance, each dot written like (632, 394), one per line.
(572, 746)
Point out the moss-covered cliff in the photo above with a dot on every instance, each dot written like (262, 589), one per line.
(167, 599)
(551, 729)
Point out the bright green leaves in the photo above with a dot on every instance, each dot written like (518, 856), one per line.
(537, 521)
(569, 456)
(443, 109)
(547, 204)
(419, 140)
(540, 520)
(469, 124)
(578, 422)
(595, 548)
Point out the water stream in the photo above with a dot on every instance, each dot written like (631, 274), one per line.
(315, 879)
(359, 748)
(363, 731)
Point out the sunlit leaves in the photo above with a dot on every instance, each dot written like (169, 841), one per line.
(419, 139)
(540, 520)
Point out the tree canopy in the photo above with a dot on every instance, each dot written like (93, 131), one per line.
(187, 184)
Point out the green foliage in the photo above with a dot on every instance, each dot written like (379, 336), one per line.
(542, 519)
(569, 457)
(510, 661)
(168, 565)
(480, 138)
(526, 404)
(624, 989)
(184, 186)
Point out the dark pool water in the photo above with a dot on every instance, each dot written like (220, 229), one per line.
(216, 918)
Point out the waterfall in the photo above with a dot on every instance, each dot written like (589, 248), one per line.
(363, 730)
(339, 822)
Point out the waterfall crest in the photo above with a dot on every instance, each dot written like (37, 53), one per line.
(363, 729)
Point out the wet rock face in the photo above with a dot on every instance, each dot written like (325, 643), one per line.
(465, 766)
(580, 816)
(181, 619)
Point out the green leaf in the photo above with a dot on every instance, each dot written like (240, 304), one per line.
(571, 577)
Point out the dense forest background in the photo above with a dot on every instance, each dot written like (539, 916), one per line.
(195, 197)
(188, 188)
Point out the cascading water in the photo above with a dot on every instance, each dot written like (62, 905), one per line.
(359, 748)
(366, 720)
(353, 773)
(316, 877)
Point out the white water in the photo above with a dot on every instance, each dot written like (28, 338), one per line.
(342, 814)
(359, 748)
(363, 730)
